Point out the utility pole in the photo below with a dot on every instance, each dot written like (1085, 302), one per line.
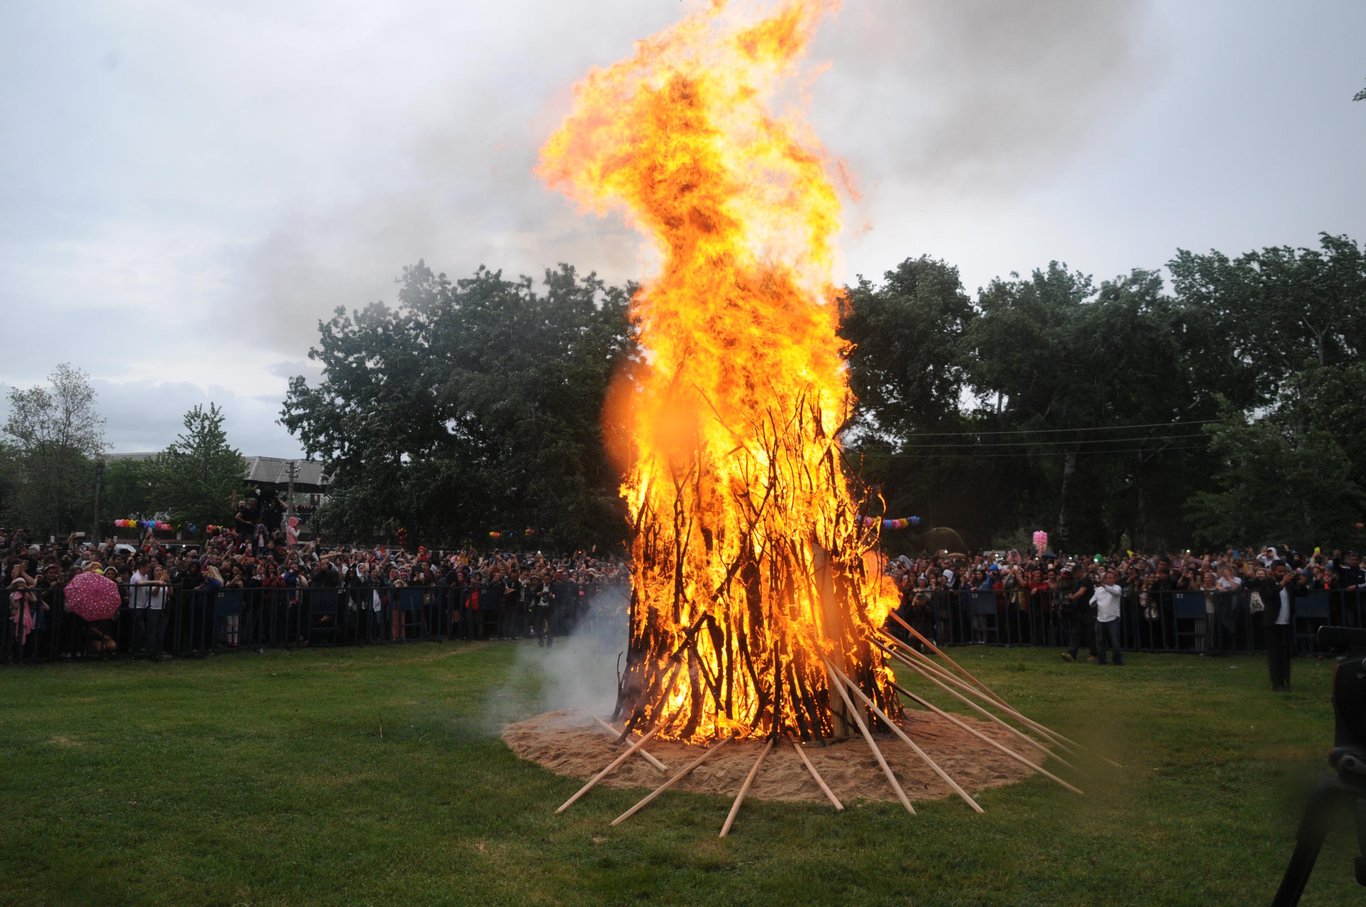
(290, 538)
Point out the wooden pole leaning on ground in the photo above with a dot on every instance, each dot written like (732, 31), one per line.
(603, 774)
(985, 739)
(825, 788)
(923, 662)
(927, 667)
(940, 652)
(986, 691)
(990, 716)
(872, 744)
(670, 783)
(644, 754)
(905, 738)
(986, 695)
(744, 789)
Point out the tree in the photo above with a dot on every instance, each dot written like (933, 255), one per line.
(1277, 483)
(57, 432)
(199, 475)
(9, 483)
(903, 365)
(473, 406)
(1284, 333)
(130, 488)
(1261, 318)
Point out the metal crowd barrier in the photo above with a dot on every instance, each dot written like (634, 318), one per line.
(202, 622)
(199, 622)
(1166, 621)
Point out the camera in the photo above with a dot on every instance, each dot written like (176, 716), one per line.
(1348, 755)
(1346, 792)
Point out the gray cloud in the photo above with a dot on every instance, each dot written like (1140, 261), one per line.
(187, 188)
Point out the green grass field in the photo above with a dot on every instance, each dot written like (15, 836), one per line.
(376, 776)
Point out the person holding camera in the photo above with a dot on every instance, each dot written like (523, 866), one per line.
(543, 614)
(1107, 596)
(1278, 593)
(1076, 612)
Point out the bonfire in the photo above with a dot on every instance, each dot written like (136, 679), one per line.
(758, 598)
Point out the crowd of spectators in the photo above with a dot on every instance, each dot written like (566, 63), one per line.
(172, 593)
(1035, 596)
(169, 591)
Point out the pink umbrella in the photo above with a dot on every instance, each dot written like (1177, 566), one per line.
(92, 597)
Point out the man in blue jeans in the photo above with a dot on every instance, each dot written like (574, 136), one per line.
(1107, 597)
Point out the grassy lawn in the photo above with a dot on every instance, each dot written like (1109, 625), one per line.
(375, 776)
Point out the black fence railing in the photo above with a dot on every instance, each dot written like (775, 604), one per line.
(1210, 623)
(157, 621)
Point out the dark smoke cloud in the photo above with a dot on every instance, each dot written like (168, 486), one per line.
(977, 96)
(927, 98)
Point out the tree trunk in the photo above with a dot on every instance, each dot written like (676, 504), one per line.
(1069, 470)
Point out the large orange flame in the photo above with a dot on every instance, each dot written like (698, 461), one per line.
(750, 565)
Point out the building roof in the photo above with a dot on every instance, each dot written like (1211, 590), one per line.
(274, 471)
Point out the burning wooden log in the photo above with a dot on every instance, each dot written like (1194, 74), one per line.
(757, 596)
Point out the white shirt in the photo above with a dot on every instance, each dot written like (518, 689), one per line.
(1283, 617)
(138, 596)
(1107, 602)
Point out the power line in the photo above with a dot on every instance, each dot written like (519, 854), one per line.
(1051, 431)
(969, 452)
(1058, 443)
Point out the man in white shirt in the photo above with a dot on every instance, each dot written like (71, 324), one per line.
(138, 602)
(1107, 597)
(1278, 621)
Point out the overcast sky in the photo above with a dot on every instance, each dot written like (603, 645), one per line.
(187, 187)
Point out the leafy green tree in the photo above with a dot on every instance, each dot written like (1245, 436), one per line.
(1277, 482)
(1267, 315)
(9, 483)
(1285, 333)
(474, 405)
(903, 365)
(130, 487)
(1033, 365)
(198, 476)
(57, 432)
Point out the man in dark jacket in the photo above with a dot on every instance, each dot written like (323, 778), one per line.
(1351, 589)
(1278, 593)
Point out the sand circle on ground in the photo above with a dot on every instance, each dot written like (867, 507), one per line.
(571, 743)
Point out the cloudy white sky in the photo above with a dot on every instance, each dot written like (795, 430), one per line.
(187, 186)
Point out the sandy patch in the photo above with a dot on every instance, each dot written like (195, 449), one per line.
(571, 743)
